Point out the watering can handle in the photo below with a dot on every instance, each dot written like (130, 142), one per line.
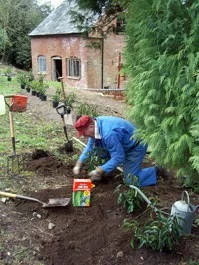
(197, 207)
(187, 195)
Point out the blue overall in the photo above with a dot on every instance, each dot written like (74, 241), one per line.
(117, 138)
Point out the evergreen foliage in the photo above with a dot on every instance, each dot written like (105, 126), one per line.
(103, 11)
(100, 7)
(162, 58)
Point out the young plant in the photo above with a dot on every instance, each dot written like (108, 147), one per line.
(35, 85)
(8, 71)
(159, 233)
(86, 109)
(70, 100)
(57, 96)
(96, 157)
(43, 88)
(130, 199)
(41, 77)
(21, 78)
(30, 76)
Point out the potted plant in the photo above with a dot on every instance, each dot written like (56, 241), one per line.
(56, 98)
(30, 76)
(35, 86)
(8, 73)
(42, 91)
(41, 77)
(28, 87)
(22, 79)
(69, 102)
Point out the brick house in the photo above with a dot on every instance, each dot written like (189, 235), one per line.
(59, 48)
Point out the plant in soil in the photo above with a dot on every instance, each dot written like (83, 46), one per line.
(41, 77)
(30, 76)
(70, 100)
(43, 88)
(129, 198)
(22, 79)
(86, 109)
(56, 98)
(96, 157)
(8, 73)
(160, 232)
(35, 85)
(28, 86)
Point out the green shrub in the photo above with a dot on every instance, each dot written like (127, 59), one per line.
(86, 109)
(96, 157)
(130, 198)
(162, 63)
(70, 100)
(159, 233)
(57, 96)
(22, 78)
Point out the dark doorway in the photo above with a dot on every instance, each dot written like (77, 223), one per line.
(56, 68)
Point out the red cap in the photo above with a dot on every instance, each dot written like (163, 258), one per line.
(82, 123)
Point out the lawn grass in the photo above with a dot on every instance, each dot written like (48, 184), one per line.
(29, 134)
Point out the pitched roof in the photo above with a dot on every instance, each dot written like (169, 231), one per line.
(59, 21)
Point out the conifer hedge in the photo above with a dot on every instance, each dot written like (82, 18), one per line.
(162, 58)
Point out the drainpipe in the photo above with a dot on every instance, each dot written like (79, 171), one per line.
(119, 68)
(102, 63)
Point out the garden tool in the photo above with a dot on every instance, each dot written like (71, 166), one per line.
(63, 91)
(61, 110)
(68, 109)
(58, 202)
(14, 161)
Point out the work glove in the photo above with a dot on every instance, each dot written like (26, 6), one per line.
(77, 168)
(96, 175)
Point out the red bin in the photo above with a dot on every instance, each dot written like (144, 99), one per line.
(18, 103)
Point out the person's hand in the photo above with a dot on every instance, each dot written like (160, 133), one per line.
(77, 168)
(96, 175)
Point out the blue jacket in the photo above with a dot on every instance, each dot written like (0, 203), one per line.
(116, 137)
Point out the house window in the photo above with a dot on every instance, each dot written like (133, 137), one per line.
(73, 67)
(121, 24)
(41, 64)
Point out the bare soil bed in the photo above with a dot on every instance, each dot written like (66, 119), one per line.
(71, 235)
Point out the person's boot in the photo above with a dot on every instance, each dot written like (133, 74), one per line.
(162, 172)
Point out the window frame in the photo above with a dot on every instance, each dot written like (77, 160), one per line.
(73, 68)
(42, 65)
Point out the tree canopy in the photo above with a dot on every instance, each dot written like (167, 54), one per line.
(17, 19)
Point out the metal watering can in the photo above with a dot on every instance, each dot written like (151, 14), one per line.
(185, 213)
